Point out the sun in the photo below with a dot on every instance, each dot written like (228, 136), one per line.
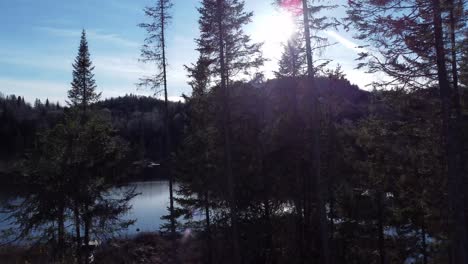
(277, 27)
(273, 29)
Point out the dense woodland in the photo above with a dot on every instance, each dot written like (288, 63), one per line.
(302, 168)
(137, 119)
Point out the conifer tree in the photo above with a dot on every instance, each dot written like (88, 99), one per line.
(154, 50)
(83, 91)
(292, 62)
(223, 41)
(81, 95)
(313, 23)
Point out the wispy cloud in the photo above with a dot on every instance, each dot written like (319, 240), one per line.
(121, 67)
(49, 62)
(345, 42)
(32, 89)
(92, 34)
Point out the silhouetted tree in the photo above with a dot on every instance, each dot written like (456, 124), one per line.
(83, 91)
(223, 41)
(415, 55)
(154, 50)
(292, 62)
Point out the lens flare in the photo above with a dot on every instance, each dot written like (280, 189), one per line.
(293, 6)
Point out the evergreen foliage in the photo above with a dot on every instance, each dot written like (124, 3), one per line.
(292, 62)
(83, 92)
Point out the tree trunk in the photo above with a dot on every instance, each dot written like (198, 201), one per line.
(318, 182)
(87, 228)
(310, 66)
(380, 227)
(300, 231)
(236, 258)
(332, 171)
(307, 218)
(61, 233)
(423, 238)
(270, 256)
(209, 238)
(322, 218)
(76, 214)
(300, 185)
(453, 49)
(457, 232)
(166, 117)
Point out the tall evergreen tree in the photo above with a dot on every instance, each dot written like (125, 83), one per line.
(83, 91)
(313, 23)
(154, 50)
(81, 95)
(223, 41)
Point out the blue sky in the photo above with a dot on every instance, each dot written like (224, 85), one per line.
(39, 40)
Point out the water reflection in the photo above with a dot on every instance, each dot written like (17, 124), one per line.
(148, 206)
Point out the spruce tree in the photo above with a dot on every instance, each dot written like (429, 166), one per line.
(223, 41)
(292, 62)
(83, 90)
(313, 23)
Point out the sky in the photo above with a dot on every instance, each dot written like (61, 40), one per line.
(39, 41)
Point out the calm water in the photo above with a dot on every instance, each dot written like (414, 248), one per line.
(148, 206)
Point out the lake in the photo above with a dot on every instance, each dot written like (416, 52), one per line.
(148, 206)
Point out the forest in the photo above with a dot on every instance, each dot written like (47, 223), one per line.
(305, 167)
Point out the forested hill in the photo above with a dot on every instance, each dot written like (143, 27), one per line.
(347, 100)
(137, 119)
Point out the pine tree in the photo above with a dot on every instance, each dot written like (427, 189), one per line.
(83, 92)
